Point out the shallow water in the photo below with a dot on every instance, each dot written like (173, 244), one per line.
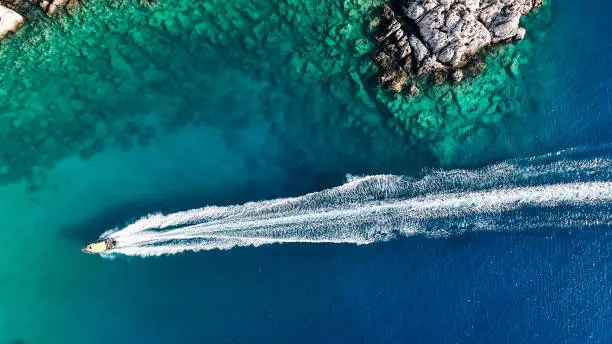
(245, 131)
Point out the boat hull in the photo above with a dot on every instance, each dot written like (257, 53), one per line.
(99, 246)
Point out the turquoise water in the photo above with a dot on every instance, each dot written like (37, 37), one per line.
(114, 113)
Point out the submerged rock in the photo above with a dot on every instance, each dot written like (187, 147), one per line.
(10, 21)
(413, 91)
(443, 35)
(457, 75)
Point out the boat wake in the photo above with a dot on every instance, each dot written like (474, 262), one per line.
(570, 188)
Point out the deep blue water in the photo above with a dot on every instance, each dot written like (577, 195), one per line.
(545, 286)
(492, 287)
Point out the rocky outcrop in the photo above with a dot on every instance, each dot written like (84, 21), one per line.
(10, 21)
(421, 37)
(52, 6)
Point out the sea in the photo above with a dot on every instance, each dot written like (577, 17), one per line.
(119, 110)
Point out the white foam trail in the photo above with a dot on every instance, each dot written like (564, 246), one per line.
(374, 208)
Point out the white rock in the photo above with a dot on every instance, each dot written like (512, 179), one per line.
(419, 50)
(457, 75)
(451, 31)
(487, 13)
(474, 37)
(414, 11)
(523, 6)
(472, 5)
(10, 21)
(459, 54)
(504, 26)
(447, 54)
(452, 19)
(50, 6)
(429, 5)
(430, 65)
(520, 34)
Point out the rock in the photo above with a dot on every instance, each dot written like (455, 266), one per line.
(525, 6)
(391, 29)
(390, 48)
(385, 77)
(389, 24)
(384, 60)
(439, 77)
(413, 91)
(434, 36)
(459, 56)
(51, 6)
(398, 82)
(10, 21)
(430, 65)
(489, 11)
(520, 34)
(414, 11)
(505, 26)
(475, 67)
(457, 75)
(405, 49)
(407, 64)
(72, 4)
(447, 54)
(419, 50)
(472, 5)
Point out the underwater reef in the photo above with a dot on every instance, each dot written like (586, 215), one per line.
(118, 73)
(442, 36)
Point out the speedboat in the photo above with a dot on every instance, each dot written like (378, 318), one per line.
(100, 246)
